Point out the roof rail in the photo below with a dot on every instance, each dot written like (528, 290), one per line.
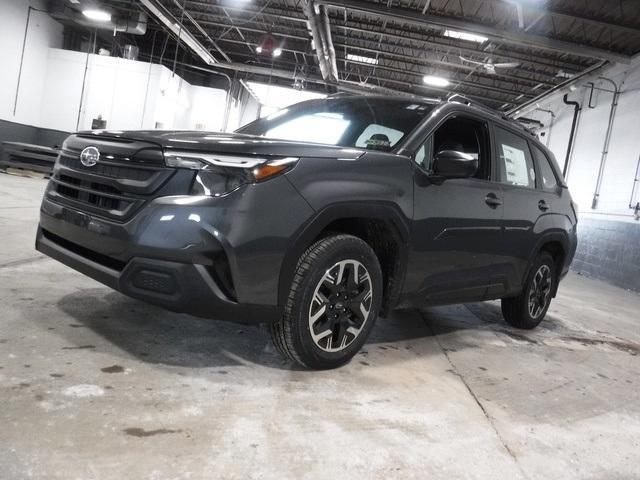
(456, 97)
(341, 94)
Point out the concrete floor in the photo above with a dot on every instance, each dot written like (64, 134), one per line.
(96, 385)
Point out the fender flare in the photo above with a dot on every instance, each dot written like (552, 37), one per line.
(385, 211)
(559, 236)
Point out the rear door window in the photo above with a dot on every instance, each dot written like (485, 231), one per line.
(514, 159)
(548, 180)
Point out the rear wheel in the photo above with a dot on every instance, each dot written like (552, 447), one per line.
(333, 303)
(528, 309)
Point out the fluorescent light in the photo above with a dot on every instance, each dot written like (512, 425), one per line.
(277, 52)
(97, 15)
(470, 37)
(435, 81)
(362, 59)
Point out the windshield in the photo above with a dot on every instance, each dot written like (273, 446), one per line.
(362, 122)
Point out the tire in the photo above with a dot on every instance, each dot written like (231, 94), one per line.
(538, 287)
(320, 328)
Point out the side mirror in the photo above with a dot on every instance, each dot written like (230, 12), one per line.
(454, 164)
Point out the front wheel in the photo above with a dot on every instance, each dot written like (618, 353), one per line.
(332, 305)
(529, 308)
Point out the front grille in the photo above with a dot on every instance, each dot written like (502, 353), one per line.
(110, 171)
(89, 194)
(116, 187)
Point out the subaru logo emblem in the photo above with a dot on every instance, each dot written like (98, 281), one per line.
(90, 156)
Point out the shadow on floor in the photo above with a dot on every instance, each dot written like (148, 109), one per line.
(158, 336)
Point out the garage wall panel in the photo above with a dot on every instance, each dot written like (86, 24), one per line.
(624, 148)
(62, 90)
(127, 94)
(43, 33)
(609, 236)
(610, 251)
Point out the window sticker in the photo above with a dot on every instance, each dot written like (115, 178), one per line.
(372, 137)
(515, 166)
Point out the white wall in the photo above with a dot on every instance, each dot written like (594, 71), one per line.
(207, 108)
(127, 94)
(114, 88)
(43, 32)
(624, 148)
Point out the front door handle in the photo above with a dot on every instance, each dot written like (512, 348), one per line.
(542, 205)
(492, 200)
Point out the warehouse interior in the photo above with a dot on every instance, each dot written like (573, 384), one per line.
(97, 385)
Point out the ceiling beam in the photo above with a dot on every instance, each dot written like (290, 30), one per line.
(534, 78)
(464, 82)
(439, 43)
(430, 43)
(419, 74)
(518, 38)
(550, 11)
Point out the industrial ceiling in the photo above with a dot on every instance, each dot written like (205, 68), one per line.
(502, 52)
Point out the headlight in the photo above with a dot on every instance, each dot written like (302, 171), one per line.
(220, 174)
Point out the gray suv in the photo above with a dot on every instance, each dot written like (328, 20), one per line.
(318, 218)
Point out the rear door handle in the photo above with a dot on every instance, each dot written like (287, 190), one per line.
(542, 205)
(492, 200)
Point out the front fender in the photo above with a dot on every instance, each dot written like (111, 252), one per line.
(387, 212)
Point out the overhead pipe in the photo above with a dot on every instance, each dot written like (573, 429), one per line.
(171, 23)
(531, 104)
(331, 51)
(591, 88)
(316, 37)
(201, 30)
(607, 140)
(636, 180)
(319, 29)
(574, 123)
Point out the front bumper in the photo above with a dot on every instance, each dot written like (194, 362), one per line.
(184, 254)
(180, 287)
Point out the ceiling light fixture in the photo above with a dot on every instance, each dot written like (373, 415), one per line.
(259, 49)
(277, 52)
(97, 15)
(362, 59)
(470, 37)
(435, 81)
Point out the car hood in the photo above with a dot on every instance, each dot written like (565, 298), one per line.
(229, 143)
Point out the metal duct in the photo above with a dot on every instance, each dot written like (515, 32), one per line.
(328, 43)
(135, 25)
(318, 23)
